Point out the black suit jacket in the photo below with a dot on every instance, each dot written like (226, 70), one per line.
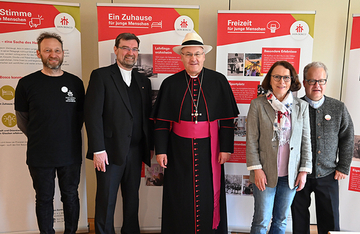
(108, 114)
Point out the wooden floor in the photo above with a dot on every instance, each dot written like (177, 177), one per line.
(313, 229)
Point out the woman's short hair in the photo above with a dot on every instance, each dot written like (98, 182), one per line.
(295, 83)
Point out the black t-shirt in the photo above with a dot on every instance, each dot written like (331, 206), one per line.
(55, 108)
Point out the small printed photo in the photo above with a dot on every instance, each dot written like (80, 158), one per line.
(233, 184)
(247, 186)
(253, 65)
(143, 65)
(356, 156)
(154, 175)
(240, 126)
(260, 91)
(154, 96)
(235, 64)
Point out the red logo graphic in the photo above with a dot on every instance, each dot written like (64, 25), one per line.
(299, 28)
(184, 24)
(64, 21)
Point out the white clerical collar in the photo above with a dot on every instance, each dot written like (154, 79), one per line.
(315, 104)
(126, 75)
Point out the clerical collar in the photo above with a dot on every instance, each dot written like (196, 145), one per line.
(193, 76)
(126, 75)
(315, 104)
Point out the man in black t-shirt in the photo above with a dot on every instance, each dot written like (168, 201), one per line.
(49, 111)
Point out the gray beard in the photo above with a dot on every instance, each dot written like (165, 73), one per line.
(53, 67)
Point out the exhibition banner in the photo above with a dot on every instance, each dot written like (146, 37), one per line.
(248, 43)
(21, 23)
(350, 187)
(159, 28)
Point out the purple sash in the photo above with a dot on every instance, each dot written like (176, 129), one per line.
(203, 129)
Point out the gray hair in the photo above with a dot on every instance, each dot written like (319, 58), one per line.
(316, 65)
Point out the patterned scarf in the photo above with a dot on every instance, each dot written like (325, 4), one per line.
(282, 111)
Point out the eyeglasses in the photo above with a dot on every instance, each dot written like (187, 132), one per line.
(313, 82)
(189, 55)
(278, 78)
(128, 49)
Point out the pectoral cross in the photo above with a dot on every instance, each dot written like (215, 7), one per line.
(196, 114)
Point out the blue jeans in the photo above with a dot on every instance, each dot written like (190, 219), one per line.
(44, 185)
(272, 202)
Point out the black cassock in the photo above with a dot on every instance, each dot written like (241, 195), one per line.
(188, 197)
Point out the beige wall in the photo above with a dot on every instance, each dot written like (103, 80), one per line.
(329, 40)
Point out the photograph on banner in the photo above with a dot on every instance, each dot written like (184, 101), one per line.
(356, 156)
(253, 64)
(238, 185)
(154, 175)
(235, 64)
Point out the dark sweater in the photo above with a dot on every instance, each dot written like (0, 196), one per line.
(332, 139)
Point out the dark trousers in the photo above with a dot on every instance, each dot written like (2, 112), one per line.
(44, 185)
(128, 175)
(326, 191)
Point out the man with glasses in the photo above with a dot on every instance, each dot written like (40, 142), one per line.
(332, 139)
(194, 137)
(117, 110)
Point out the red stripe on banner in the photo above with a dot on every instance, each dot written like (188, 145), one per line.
(243, 27)
(137, 20)
(15, 16)
(355, 34)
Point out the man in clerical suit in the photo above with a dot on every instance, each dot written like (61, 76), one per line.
(117, 110)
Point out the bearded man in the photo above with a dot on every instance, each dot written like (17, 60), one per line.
(117, 110)
(49, 111)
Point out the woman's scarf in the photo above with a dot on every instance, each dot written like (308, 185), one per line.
(282, 111)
